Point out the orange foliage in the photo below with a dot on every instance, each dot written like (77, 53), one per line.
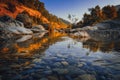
(31, 12)
(20, 9)
(32, 47)
(36, 46)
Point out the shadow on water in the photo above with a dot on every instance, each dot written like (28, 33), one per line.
(57, 56)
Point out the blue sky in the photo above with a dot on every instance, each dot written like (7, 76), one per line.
(62, 8)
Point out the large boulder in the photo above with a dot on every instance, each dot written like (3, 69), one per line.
(25, 19)
(109, 24)
(9, 27)
(38, 29)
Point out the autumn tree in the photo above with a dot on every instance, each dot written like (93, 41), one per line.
(109, 12)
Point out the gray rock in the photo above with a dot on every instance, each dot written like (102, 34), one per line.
(65, 63)
(77, 71)
(59, 55)
(48, 72)
(25, 19)
(57, 64)
(52, 78)
(86, 77)
(24, 38)
(61, 71)
(43, 79)
(108, 24)
(80, 64)
(9, 27)
(37, 60)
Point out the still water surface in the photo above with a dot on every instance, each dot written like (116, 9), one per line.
(60, 57)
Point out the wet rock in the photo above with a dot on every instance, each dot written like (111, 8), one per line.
(37, 60)
(27, 67)
(68, 77)
(57, 64)
(52, 78)
(61, 71)
(32, 65)
(98, 63)
(76, 71)
(80, 64)
(59, 55)
(86, 77)
(48, 72)
(43, 79)
(15, 66)
(117, 77)
(114, 67)
(65, 63)
(47, 67)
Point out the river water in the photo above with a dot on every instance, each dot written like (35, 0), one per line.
(60, 57)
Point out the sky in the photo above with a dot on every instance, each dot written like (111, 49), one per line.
(62, 8)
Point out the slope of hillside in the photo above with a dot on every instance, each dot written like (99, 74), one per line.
(13, 8)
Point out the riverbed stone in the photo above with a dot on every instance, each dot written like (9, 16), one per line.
(59, 55)
(86, 77)
(37, 60)
(61, 71)
(15, 66)
(48, 72)
(32, 65)
(57, 64)
(80, 64)
(43, 79)
(52, 78)
(65, 63)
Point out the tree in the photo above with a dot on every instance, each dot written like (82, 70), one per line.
(109, 12)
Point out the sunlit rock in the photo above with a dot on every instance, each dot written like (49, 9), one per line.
(24, 38)
(9, 27)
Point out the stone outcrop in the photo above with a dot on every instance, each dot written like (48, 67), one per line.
(110, 24)
(10, 27)
(25, 19)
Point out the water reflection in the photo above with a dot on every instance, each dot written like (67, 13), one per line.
(59, 57)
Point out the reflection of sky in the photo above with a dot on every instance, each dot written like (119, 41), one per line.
(62, 8)
(75, 49)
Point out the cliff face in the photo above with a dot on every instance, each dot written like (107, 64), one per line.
(13, 8)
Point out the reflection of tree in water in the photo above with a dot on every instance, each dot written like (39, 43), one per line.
(24, 53)
(101, 46)
(28, 48)
(92, 45)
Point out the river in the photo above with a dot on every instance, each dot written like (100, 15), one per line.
(60, 57)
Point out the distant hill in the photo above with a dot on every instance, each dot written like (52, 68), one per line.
(34, 8)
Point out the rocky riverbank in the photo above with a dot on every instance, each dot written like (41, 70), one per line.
(106, 27)
(11, 28)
